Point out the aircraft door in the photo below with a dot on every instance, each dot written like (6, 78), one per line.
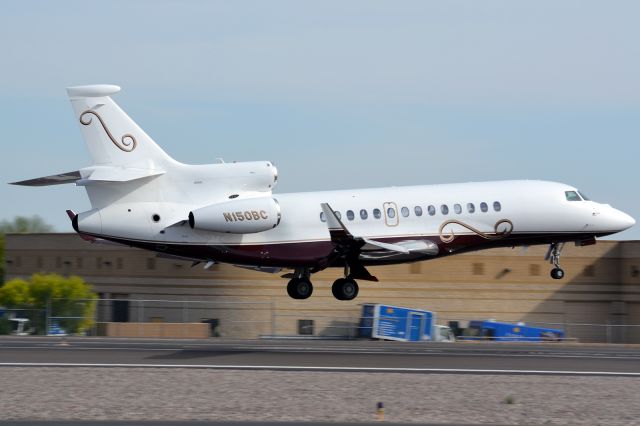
(390, 213)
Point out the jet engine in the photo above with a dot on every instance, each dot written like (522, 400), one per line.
(238, 216)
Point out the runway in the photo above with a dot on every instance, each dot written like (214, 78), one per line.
(322, 355)
(287, 381)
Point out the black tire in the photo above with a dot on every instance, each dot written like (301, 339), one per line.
(345, 289)
(336, 288)
(291, 288)
(299, 288)
(557, 273)
(350, 290)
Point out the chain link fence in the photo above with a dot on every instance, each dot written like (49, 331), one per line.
(161, 318)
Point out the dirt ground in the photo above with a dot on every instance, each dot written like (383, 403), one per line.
(186, 394)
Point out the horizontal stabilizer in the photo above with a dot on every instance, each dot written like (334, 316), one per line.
(116, 174)
(62, 178)
(92, 91)
(90, 175)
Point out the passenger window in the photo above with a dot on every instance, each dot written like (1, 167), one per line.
(338, 215)
(471, 208)
(377, 213)
(457, 208)
(391, 213)
(572, 196)
(444, 209)
(405, 212)
(484, 207)
(322, 218)
(417, 210)
(363, 214)
(431, 210)
(350, 214)
(496, 206)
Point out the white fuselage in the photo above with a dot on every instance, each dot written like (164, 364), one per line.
(535, 208)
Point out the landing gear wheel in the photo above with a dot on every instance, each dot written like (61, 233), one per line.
(345, 289)
(336, 288)
(299, 288)
(557, 273)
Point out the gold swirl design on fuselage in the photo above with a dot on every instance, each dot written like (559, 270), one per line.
(127, 143)
(498, 235)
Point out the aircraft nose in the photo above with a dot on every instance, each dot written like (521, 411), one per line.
(623, 220)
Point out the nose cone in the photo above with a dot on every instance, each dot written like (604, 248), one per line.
(621, 220)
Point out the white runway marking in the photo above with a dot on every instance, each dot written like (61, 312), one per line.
(431, 352)
(328, 369)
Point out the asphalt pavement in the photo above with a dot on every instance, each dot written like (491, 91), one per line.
(325, 355)
(197, 423)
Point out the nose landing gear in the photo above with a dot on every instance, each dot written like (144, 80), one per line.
(553, 255)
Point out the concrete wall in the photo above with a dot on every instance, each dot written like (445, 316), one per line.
(155, 330)
(602, 286)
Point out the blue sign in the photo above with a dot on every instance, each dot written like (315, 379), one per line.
(55, 329)
(493, 330)
(396, 323)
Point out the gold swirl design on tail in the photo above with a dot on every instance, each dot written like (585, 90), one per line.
(127, 143)
(498, 235)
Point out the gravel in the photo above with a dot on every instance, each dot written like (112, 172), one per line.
(37, 393)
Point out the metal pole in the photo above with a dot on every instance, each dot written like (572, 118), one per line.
(95, 318)
(47, 317)
(184, 318)
(140, 315)
(273, 318)
(351, 327)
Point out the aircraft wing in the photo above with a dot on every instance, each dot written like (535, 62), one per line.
(352, 250)
(267, 269)
(407, 247)
(341, 235)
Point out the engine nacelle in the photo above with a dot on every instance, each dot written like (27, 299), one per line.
(237, 217)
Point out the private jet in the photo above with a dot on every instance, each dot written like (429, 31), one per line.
(228, 212)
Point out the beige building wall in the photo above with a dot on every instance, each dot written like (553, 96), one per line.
(601, 286)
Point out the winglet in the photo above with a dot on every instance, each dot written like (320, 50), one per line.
(349, 245)
(337, 230)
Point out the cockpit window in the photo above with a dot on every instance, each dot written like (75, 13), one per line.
(584, 197)
(572, 196)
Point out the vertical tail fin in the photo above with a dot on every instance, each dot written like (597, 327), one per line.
(111, 136)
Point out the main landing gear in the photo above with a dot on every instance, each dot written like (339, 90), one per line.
(300, 286)
(345, 288)
(554, 257)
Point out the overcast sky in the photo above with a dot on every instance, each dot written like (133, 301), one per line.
(338, 94)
